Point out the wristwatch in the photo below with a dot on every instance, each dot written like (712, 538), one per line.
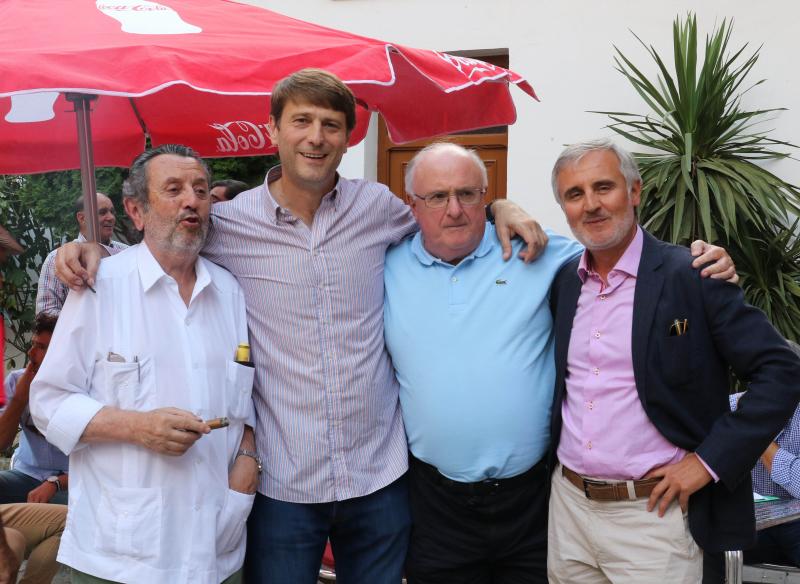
(54, 479)
(251, 454)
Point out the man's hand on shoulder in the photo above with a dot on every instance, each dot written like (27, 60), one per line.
(77, 263)
(722, 266)
(679, 480)
(510, 220)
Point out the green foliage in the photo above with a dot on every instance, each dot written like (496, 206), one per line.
(700, 177)
(250, 169)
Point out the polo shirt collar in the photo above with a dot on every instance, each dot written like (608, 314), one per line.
(424, 257)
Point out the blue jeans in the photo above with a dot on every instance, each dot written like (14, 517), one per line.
(369, 537)
(777, 545)
(15, 486)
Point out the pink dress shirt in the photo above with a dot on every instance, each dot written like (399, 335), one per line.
(606, 432)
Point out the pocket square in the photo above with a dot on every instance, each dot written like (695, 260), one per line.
(679, 327)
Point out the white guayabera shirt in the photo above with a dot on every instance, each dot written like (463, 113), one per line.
(135, 515)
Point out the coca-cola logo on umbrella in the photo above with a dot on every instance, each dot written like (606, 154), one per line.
(241, 135)
(145, 17)
(467, 66)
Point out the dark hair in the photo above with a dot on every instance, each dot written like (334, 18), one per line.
(44, 323)
(232, 187)
(316, 87)
(135, 187)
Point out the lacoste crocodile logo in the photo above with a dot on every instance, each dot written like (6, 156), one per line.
(500, 282)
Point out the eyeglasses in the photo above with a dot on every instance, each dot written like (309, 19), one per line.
(468, 197)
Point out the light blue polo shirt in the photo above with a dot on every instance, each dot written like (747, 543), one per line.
(35, 456)
(472, 346)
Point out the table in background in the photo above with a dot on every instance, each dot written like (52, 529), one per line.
(768, 514)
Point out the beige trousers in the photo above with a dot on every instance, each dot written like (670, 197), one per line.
(619, 542)
(41, 524)
(83, 578)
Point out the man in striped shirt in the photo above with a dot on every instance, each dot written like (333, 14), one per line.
(308, 247)
(51, 293)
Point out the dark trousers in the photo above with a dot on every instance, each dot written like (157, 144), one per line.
(493, 532)
(777, 545)
(369, 537)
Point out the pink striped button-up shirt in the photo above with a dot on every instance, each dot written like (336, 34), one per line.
(606, 432)
(328, 419)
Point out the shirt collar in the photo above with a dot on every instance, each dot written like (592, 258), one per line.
(151, 272)
(82, 239)
(424, 257)
(628, 263)
(282, 214)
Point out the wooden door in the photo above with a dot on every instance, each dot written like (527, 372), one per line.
(491, 144)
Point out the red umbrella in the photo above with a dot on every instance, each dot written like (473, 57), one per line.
(199, 72)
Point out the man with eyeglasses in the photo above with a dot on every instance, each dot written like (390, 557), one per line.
(471, 341)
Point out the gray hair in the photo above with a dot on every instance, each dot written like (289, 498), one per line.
(136, 188)
(437, 147)
(574, 152)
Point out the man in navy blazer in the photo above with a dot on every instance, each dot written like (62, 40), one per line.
(643, 348)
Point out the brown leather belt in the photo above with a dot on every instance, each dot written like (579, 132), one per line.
(610, 490)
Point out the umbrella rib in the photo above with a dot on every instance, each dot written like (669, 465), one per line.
(138, 116)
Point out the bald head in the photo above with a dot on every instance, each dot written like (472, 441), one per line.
(105, 216)
(445, 184)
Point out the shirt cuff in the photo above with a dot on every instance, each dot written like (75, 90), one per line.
(708, 468)
(780, 472)
(68, 423)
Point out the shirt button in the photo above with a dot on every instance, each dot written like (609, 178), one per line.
(454, 279)
(603, 296)
(596, 334)
(589, 445)
(590, 405)
(596, 371)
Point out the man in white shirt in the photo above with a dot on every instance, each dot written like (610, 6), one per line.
(134, 368)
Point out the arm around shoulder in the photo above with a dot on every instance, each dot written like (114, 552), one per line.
(759, 355)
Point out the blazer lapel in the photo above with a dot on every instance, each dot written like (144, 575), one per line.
(567, 305)
(649, 283)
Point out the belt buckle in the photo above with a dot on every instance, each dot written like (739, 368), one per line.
(591, 483)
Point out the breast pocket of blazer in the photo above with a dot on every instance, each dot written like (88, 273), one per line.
(676, 359)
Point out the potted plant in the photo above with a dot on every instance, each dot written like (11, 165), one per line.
(700, 171)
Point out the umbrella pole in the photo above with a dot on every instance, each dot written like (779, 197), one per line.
(82, 104)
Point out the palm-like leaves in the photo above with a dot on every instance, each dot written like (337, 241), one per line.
(701, 177)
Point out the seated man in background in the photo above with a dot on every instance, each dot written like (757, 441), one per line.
(38, 469)
(36, 533)
(777, 474)
(225, 190)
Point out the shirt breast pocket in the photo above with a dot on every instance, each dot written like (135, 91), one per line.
(238, 390)
(127, 386)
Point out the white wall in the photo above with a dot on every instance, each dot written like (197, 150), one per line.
(564, 48)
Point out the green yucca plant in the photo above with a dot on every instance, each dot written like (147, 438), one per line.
(700, 175)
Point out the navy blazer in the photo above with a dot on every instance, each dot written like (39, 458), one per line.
(683, 381)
